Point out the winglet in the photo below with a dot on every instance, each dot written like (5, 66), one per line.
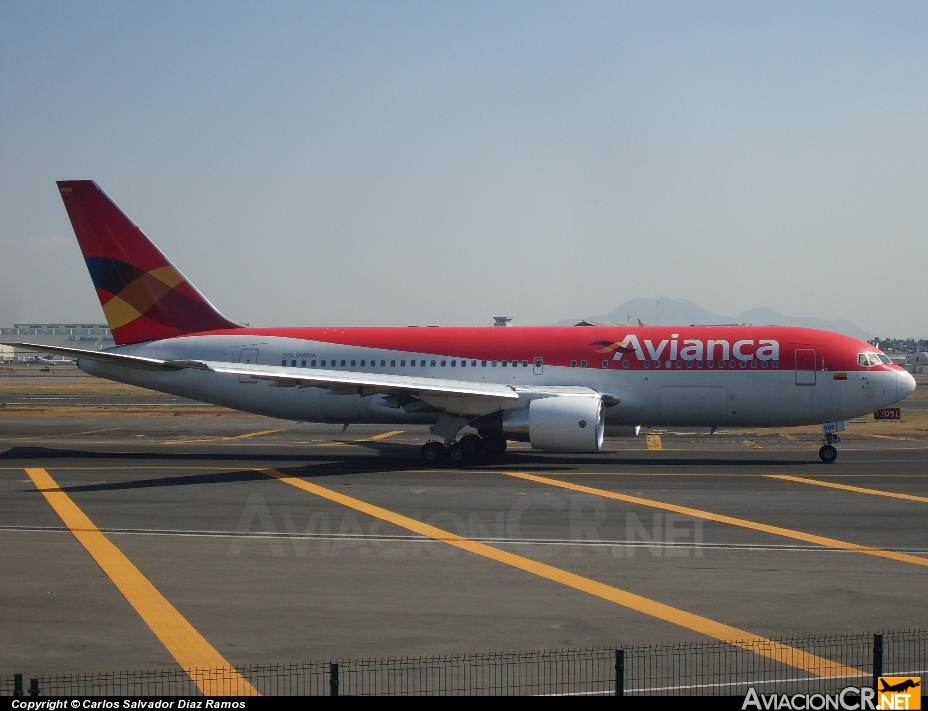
(143, 295)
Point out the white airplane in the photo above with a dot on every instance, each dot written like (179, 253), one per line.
(555, 387)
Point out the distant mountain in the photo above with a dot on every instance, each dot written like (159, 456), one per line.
(662, 311)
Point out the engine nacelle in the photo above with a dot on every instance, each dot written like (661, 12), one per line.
(563, 423)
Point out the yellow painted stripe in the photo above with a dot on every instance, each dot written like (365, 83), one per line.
(381, 436)
(791, 438)
(752, 443)
(221, 439)
(846, 487)
(75, 434)
(654, 442)
(711, 628)
(206, 666)
(895, 437)
(253, 434)
(731, 520)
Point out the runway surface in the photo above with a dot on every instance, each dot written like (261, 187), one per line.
(151, 541)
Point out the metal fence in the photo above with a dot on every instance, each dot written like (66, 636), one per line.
(822, 664)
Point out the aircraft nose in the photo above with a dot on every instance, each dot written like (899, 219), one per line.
(905, 385)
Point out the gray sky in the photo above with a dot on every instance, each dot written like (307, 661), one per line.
(391, 163)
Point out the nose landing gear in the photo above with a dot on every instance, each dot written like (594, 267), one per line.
(828, 453)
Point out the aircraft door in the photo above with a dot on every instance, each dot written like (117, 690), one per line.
(805, 366)
(539, 365)
(248, 355)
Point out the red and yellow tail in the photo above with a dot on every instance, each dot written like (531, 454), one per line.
(144, 297)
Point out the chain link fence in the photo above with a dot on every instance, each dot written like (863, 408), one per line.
(821, 664)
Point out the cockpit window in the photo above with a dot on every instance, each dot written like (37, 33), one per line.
(871, 359)
(884, 358)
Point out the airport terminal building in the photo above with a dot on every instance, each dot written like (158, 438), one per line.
(91, 336)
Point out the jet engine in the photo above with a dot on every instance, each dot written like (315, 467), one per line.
(564, 423)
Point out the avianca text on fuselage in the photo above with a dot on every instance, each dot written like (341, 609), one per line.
(745, 349)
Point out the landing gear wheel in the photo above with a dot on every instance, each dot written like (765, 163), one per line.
(432, 453)
(472, 443)
(494, 445)
(457, 454)
(828, 454)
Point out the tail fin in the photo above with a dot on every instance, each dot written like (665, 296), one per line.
(144, 297)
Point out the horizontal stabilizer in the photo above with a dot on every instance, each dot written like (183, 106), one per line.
(124, 359)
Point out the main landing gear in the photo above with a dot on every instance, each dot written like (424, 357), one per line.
(463, 451)
(828, 453)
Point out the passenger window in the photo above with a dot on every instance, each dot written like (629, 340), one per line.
(493, 363)
(392, 363)
(453, 363)
(583, 364)
(352, 364)
(473, 364)
(383, 364)
(505, 363)
(302, 363)
(433, 363)
(443, 363)
(483, 364)
(312, 364)
(283, 362)
(343, 364)
(402, 364)
(363, 363)
(605, 364)
(625, 364)
(293, 364)
(573, 364)
(463, 363)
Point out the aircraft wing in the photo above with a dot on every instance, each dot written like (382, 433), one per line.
(462, 397)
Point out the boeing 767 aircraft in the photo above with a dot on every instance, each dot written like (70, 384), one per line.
(555, 387)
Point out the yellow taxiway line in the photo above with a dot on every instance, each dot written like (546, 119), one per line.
(654, 442)
(211, 672)
(846, 487)
(759, 645)
(721, 518)
(221, 439)
(375, 438)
